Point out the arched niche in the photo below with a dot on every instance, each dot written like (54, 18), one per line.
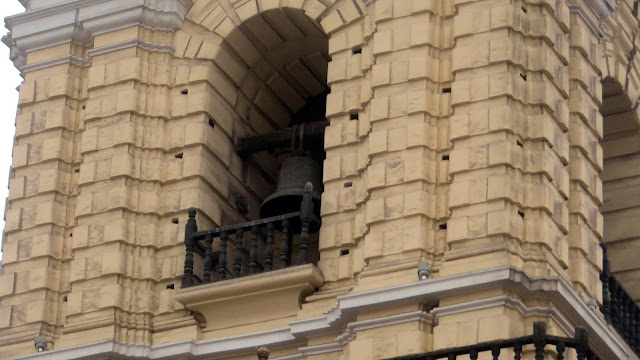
(621, 184)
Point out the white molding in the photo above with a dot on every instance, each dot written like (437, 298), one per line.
(157, 47)
(290, 357)
(571, 311)
(86, 61)
(320, 349)
(80, 20)
(598, 11)
(504, 300)
(55, 61)
(104, 349)
(602, 8)
(579, 9)
(354, 327)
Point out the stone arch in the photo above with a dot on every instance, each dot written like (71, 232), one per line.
(620, 142)
(621, 183)
(262, 61)
(275, 52)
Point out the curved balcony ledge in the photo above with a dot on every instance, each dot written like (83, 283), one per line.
(261, 297)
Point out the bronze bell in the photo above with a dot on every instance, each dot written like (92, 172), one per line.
(294, 173)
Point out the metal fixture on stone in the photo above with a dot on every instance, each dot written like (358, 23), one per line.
(263, 353)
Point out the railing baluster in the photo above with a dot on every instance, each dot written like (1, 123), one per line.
(560, 350)
(622, 304)
(539, 341)
(208, 261)
(253, 253)
(517, 351)
(614, 304)
(495, 352)
(632, 323)
(473, 355)
(222, 261)
(306, 213)
(189, 229)
(284, 246)
(637, 316)
(605, 278)
(583, 348)
(627, 320)
(268, 251)
(237, 260)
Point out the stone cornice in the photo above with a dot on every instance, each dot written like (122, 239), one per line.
(78, 21)
(602, 8)
(594, 12)
(569, 311)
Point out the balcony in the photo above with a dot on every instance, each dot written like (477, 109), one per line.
(619, 308)
(260, 269)
(540, 344)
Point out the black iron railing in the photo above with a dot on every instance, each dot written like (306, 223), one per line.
(542, 344)
(618, 307)
(249, 248)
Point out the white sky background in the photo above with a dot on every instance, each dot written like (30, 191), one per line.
(9, 80)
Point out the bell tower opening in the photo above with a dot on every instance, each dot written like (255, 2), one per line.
(281, 102)
(620, 189)
(275, 61)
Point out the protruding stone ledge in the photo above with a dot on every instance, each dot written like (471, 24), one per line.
(78, 21)
(252, 299)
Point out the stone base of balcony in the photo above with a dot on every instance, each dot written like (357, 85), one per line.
(252, 299)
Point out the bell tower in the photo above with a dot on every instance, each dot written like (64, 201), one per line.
(322, 179)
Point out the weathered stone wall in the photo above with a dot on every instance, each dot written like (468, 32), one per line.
(464, 134)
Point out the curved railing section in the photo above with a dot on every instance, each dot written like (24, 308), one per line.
(248, 248)
(541, 342)
(618, 307)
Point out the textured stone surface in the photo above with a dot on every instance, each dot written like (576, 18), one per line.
(463, 134)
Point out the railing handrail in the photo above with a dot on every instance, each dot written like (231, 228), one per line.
(200, 235)
(539, 338)
(215, 262)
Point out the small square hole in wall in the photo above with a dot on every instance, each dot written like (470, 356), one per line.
(179, 156)
(445, 157)
(521, 213)
(348, 184)
(184, 91)
(84, 107)
(171, 286)
(175, 220)
(76, 170)
(70, 234)
(446, 90)
(211, 122)
(344, 252)
(354, 116)
(356, 50)
(443, 226)
(64, 298)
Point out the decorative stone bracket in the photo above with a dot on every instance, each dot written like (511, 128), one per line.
(252, 299)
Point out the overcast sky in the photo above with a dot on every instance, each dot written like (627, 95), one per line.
(10, 79)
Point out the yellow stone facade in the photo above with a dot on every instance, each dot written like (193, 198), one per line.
(496, 140)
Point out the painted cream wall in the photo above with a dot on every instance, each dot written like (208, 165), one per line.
(477, 149)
